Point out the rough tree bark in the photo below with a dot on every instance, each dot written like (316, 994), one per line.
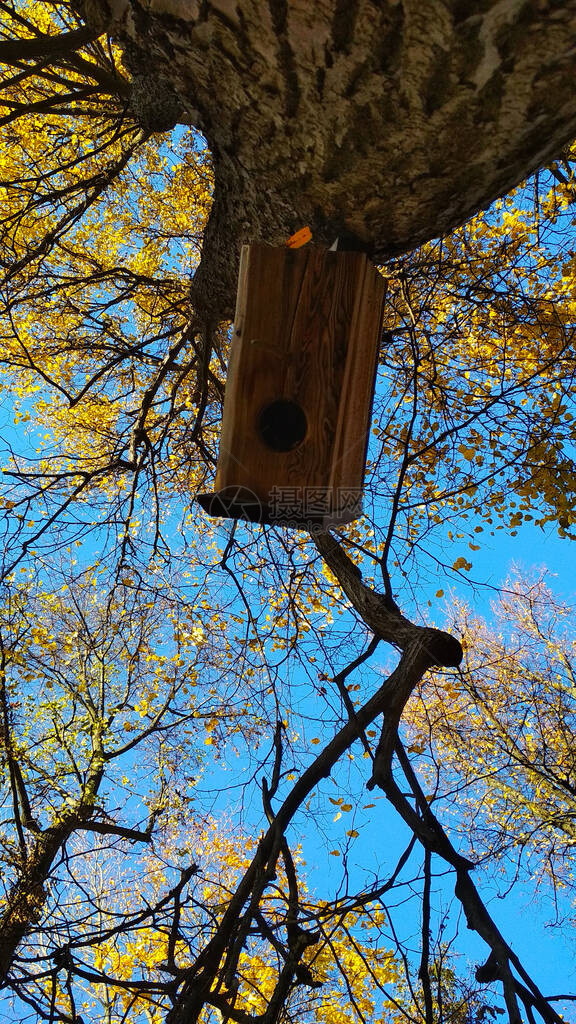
(390, 121)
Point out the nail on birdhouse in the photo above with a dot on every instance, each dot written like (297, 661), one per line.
(299, 390)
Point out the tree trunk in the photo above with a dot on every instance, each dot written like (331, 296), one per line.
(385, 122)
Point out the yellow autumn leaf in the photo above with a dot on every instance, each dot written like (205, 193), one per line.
(467, 453)
(461, 563)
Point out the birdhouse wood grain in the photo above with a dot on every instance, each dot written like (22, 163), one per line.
(300, 385)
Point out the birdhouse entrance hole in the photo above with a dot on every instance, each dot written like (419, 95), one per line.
(283, 425)
(300, 385)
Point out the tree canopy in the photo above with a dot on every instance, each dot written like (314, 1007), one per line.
(202, 722)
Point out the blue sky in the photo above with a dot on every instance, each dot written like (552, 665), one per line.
(382, 835)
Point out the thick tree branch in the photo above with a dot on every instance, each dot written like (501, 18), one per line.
(432, 836)
(388, 123)
(389, 700)
(13, 51)
(381, 615)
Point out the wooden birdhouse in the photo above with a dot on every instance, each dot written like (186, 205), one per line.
(300, 384)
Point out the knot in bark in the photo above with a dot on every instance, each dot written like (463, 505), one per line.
(154, 104)
(444, 649)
